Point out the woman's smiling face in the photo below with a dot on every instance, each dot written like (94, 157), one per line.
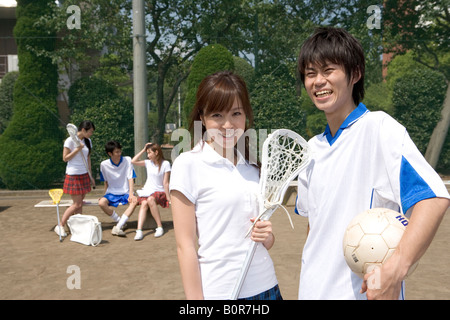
(224, 128)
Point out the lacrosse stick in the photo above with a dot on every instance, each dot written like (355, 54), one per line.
(284, 154)
(72, 130)
(56, 195)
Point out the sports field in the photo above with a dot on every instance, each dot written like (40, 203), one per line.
(34, 264)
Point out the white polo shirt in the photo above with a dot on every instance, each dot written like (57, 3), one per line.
(155, 178)
(225, 199)
(76, 166)
(117, 175)
(370, 162)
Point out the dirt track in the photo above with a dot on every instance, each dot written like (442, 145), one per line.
(34, 264)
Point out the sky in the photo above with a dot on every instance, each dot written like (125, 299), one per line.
(8, 3)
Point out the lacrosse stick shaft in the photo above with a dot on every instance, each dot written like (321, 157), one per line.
(244, 270)
(56, 195)
(249, 257)
(59, 224)
(89, 171)
(263, 216)
(284, 154)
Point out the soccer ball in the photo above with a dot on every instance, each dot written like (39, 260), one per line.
(371, 238)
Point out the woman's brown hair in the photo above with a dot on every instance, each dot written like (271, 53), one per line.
(217, 93)
(159, 154)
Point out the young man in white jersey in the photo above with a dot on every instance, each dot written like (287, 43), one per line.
(118, 174)
(363, 159)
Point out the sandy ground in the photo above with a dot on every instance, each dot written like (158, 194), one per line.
(35, 265)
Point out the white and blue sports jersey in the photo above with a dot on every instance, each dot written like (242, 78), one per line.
(370, 162)
(117, 175)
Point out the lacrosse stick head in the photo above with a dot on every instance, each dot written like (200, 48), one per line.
(284, 154)
(56, 195)
(73, 130)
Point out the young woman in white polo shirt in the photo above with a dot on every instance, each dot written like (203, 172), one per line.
(156, 188)
(77, 182)
(213, 191)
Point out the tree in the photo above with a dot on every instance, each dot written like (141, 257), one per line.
(276, 106)
(97, 100)
(6, 98)
(179, 29)
(113, 120)
(105, 28)
(32, 143)
(90, 92)
(208, 60)
(415, 97)
(244, 70)
(423, 27)
(359, 18)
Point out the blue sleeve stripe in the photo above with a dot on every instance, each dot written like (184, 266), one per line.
(295, 207)
(413, 187)
(101, 177)
(134, 174)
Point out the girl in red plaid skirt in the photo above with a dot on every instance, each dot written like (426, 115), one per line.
(77, 182)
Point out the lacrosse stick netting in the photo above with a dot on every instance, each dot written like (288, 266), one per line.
(284, 154)
(72, 130)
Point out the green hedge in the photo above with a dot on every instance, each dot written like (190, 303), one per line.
(6, 98)
(31, 146)
(418, 99)
(208, 60)
(90, 92)
(112, 115)
(275, 105)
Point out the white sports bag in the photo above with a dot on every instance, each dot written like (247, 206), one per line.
(85, 229)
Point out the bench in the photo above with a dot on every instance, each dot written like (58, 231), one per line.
(148, 223)
(65, 203)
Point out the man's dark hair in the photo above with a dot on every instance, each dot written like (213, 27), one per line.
(334, 45)
(111, 145)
